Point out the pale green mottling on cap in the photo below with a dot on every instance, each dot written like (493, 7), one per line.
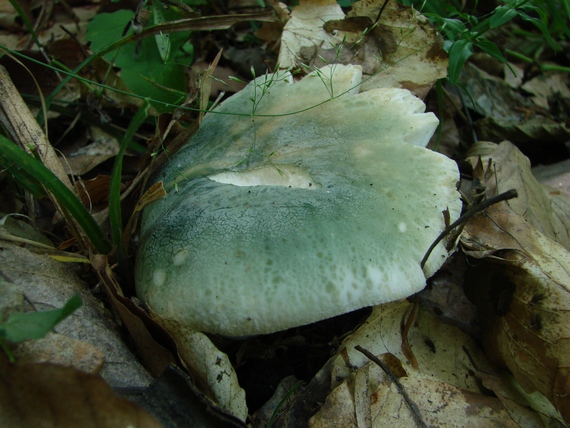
(332, 212)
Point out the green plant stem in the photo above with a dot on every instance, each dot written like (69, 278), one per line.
(115, 216)
(26, 22)
(12, 156)
(543, 67)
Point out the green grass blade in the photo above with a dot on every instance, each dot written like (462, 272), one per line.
(11, 156)
(115, 216)
(26, 22)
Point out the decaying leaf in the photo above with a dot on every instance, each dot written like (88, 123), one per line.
(547, 212)
(305, 29)
(101, 147)
(507, 114)
(521, 286)
(154, 356)
(412, 51)
(546, 86)
(369, 398)
(210, 368)
(33, 395)
(396, 49)
(450, 369)
(437, 347)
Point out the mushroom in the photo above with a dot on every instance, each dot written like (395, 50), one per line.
(297, 202)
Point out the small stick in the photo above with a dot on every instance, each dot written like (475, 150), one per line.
(411, 405)
(509, 194)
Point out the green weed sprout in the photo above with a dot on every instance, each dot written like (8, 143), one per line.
(464, 32)
(34, 325)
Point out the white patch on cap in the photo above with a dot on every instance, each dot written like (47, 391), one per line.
(271, 175)
(158, 277)
(180, 256)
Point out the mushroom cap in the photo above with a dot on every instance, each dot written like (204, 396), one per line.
(273, 222)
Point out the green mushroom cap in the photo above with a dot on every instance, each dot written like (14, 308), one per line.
(324, 202)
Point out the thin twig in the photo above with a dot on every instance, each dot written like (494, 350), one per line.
(476, 209)
(380, 12)
(411, 405)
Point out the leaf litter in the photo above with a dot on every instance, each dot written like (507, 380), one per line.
(522, 242)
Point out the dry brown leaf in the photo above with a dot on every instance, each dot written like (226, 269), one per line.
(46, 395)
(546, 85)
(402, 50)
(450, 365)
(418, 58)
(510, 169)
(154, 356)
(210, 368)
(305, 29)
(369, 398)
(152, 194)
(95, 191)
(98, 147)
(206, 85)
(508, 114)
(437, 347)
(521, 288)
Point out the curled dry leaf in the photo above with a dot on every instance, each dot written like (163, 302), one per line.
(210, 368)
(522, 286)
(508, 114)
(509, 168)
(450, 368)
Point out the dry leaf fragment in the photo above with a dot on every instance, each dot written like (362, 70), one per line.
(209, 367)
(369, 395)
(437, 347)
(34, 395)
(413, 55)
(523, 301)
(305, 29)
(507, 114)
(399, 50)
(507, 168)
(522, 287)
